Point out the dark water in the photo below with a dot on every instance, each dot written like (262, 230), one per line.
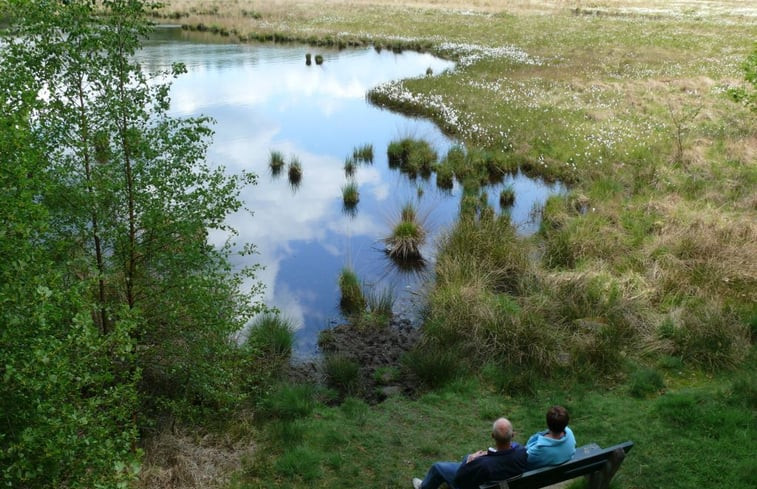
(264, 97)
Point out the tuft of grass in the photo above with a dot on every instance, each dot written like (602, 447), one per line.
(645, 382)
(276, 162)
(434, 367)
(318, 59)
(352, 300)
(272, 334)
(342, 373)
(412, 156)
(445, 176)
(406, 240)
(378, 309)
(299, 463)
(350, 166)
(507, 197)
(308, 59)
(363, 154)
(350, 195)
(295, 172)
(407, 237)
(707, 335)
(289, 402)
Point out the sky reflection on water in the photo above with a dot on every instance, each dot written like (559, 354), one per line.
(263, 98)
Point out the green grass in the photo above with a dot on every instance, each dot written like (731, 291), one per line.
(352, 300)
(273, 334)
(404, 436)
(295, 172)
(276, 162)
(363, 153)
(350, 166)
(350, 195)
(413, 157)
(647, 262)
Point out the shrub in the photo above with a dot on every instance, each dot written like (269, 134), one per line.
(645, 382)
(352, 300)
(342, 373)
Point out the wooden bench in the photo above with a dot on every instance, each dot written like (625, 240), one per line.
(598, 464)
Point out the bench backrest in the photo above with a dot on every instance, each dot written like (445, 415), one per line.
(586, 460)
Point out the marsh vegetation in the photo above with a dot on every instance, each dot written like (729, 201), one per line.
(638, 291)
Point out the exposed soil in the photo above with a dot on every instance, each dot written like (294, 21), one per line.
(378, 352)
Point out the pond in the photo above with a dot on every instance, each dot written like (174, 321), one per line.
(264, 98)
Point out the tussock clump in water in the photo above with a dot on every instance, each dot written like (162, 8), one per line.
(350, 195)
(352, 300)
(276, 162)
(295, 172)
(412, 157)
(407, 236)
(363, 153)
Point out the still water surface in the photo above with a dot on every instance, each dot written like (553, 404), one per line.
(264, 97)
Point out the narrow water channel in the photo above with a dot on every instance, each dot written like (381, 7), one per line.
(265, 98)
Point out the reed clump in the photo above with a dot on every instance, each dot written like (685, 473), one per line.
(407, 237)
(352, 300)
(412, 156)
(295, 172)
(349, 167)
(276, 162)
(507, 197)
(350, 195)
(363, 154)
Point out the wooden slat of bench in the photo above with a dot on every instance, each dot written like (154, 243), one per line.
(587, 460)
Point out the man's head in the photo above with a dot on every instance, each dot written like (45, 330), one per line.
(557, 419)
(502, 432)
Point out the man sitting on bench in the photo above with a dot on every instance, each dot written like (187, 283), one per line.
(553, 446)
(506, 460)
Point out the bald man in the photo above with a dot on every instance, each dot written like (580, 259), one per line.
(505, 460)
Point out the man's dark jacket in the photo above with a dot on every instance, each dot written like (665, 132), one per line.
(493, 466)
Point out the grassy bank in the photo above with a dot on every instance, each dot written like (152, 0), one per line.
(642, 279)
(698, 434)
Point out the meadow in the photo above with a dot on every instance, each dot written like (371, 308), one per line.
(634, 305)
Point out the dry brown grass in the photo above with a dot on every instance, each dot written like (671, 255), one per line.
(190, 461)
(659, 7)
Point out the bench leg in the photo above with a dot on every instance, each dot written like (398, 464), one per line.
(601, 478)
